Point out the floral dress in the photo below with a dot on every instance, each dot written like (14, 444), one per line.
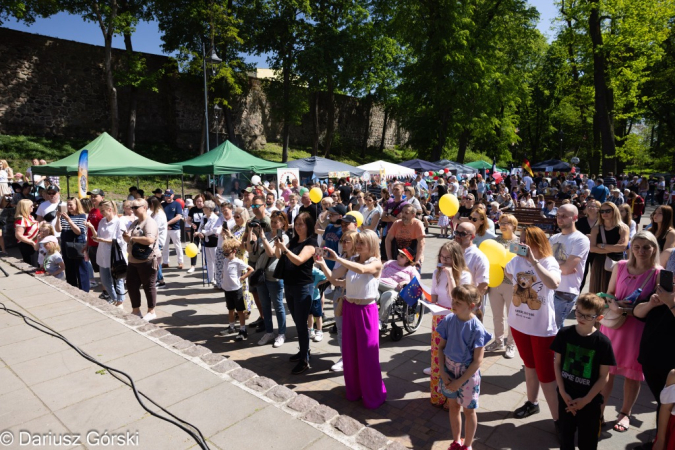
(238, 234)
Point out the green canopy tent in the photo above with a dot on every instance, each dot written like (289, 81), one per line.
(107, 157)
(227, 159)
(483, 165)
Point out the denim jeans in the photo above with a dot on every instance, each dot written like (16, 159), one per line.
(563, 303)
(272, 293)
(114, 287)
(299, 299)
(160, 277)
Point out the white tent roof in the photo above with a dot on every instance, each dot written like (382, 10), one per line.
(390, 169)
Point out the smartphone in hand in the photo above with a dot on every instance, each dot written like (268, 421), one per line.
(666, 280)
(518, 249)
(280, 234)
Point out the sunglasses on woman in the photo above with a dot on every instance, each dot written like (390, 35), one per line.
(474, 219)
(135, 207)
(605, 211)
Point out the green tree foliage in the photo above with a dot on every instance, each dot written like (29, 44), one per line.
(27, 11)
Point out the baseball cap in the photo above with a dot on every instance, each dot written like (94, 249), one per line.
(248, 190)
(408, 254)
(49, 239)
(168, 192)
(54, 188)
(157, 191)
(347, 219)
(338, 209)
(96, 192)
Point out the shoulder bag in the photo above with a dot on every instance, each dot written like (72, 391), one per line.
(615, 319)
(118, 265)
(609, 262)
(139, 251)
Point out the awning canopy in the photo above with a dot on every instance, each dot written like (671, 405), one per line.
(317, 167)
(227, 159)
(391, 170)
(421, 165)
(107, 157)
(483, 165)
(455, 166)
(551, 165)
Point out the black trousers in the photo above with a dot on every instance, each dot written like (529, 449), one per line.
(656, 376)
(144, 274)
(586, 424)
(27, 252)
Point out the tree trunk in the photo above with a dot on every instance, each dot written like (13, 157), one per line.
(315, 121)
(463, 144)
(112, 91)
(603, 95)
(595, 157)
(384, 128)
(285, 137)
(330, 126)
(229, 123)
(133, 98)
(366, 131)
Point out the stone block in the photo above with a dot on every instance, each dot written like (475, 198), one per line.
(347, 425)
(182, 344)
(280, 394)
(171, 339)
(395, 445)
(158, 333)
(302, 403)
(225, 366)
(320, 414)
(196, 351)
(147, 328)
(261, 384)
(371, 439)
(242, 375)
(212, 359)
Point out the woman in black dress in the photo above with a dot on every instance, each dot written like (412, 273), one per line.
(609, 239)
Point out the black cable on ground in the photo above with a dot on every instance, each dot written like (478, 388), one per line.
(198, 437)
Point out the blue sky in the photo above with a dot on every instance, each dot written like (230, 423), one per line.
(147, 36)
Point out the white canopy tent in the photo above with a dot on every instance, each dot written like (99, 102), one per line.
(391, 170)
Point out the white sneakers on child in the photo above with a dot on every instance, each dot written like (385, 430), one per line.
(279, 340)
(318, 336)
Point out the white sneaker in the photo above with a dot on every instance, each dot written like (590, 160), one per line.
(279, 340)
(312, 333)
(495, 346)
(191, 269)
(337, 367)
(266, 339)
(120, 306)
(149, 316)
(228, 331)
(318, 336)
(510, 351)
(427, 371)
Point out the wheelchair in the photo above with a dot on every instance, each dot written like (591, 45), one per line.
(409, 316)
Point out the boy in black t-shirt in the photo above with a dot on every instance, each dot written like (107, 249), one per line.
(582, 359)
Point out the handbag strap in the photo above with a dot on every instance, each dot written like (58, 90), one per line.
(644, 283)
(602, 232)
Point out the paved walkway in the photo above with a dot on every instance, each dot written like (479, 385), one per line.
(45, 386)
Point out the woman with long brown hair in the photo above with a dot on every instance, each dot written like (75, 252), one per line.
(662, 227)
(609, 239)
(627, 218)
(535, 278)
(481, 222)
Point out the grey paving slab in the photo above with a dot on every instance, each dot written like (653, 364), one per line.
(92, 332)
(20, 406)
(178, 383)
(31, 349)
(13, 334)
(74, 387)
(286, 433)
(9, 382)
(55, 309)
(27, 433)
(126, 344)
(154, 433)
(51, 366)
(325, 443)
(74, 319)
(146, 362)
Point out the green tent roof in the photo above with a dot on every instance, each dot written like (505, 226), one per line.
(227, 159)
(108, 157)
(484, 165)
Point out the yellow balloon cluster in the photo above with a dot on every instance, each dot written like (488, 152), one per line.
(191, 250)
(496, 275)
(315, 195)
(358, 216)
(498, 257)
(449, 205)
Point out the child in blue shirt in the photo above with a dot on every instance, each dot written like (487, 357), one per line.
(461, 360)
(315, 311)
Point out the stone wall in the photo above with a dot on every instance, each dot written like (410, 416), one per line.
(55, 87)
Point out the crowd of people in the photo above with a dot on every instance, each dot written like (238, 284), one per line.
(260, 245)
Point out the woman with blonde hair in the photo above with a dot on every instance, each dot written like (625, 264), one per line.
(6, 178)
(73, 241)
(360, 336)
(609, 239)
(451, 272)
(26, 230)
(535, 278)
(641, 271)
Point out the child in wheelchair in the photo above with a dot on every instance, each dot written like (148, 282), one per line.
(395, 275)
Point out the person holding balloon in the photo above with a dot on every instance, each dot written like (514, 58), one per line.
(501, 289)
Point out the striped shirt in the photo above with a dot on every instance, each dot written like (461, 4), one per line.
(78, 219)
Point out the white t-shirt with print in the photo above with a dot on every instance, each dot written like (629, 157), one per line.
(532, 311)
(233, 270)
(564, 245)
(439, 287)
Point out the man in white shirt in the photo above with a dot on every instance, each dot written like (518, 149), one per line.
(47, 210)
(476, 261)
(570, 249)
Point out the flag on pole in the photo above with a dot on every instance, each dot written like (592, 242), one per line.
(526, 167)
(413, 292)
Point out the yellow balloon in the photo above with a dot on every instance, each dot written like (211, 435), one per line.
(358, 216)
(494, 251)
(508, 257)
(449, 205)
(496, 275)
(315, 195)
(191, 250)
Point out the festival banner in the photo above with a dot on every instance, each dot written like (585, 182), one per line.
(83, 174)
(287, 175)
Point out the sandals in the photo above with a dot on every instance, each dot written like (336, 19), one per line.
(618, 426)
